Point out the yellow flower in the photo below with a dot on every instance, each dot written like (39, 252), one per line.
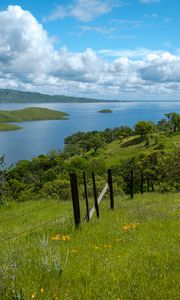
(33, 296)
(65, 237)
(59, 238)
(110, 246)
(130, 226)
(96, 247)
(42, 290)
(74, 250)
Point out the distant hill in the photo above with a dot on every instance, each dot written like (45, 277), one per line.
(13, 96)
(31, 114)
(28, 114)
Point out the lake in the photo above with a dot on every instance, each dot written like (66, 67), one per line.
(40, 137)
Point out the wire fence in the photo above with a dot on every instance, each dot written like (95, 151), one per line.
(58, 220)
(24, 215)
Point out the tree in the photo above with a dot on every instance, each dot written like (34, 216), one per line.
(143, 128)
(174, 120)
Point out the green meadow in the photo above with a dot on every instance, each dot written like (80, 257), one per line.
(130, 252)
(28, 114)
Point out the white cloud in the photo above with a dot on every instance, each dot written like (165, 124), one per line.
(149, 1)
(83, 10)
(29, 61)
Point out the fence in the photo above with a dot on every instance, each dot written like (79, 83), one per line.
(98, 199)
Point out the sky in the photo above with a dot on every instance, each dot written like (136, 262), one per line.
(103, 49)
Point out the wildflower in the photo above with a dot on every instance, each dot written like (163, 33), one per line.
(74, 250)
(60, 238)
(55, 238)
(96, 247)
(42, 290)
(65, 238)
(130, 226)
(110, 246)
(118, 240)
(33, 296)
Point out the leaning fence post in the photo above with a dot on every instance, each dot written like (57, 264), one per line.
(86, 194)
(75, 198)
(95, 195)
(110, 183)
(132, 184)
(142, 183)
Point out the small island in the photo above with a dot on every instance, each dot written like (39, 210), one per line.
(28, 114)
(105, 111)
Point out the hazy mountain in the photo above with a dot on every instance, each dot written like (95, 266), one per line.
(13, 96)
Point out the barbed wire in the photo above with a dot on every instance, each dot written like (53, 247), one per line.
(48, 222)
(24, 215)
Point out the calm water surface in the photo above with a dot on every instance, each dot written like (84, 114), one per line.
(39, 137)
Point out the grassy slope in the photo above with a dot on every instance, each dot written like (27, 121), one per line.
(8, 127)
(119, 151)
(101, 260)
(31, 114)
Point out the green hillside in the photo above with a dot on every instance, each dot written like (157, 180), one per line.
(8, 127)
(13, 96)
(28, 114)
(31, 114)
(119, 151)
(130, 253)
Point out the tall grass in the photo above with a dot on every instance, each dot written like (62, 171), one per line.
(128, 253)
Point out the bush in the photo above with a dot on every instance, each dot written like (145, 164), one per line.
(59, 189)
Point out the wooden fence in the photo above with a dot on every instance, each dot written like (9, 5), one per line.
(97, 199)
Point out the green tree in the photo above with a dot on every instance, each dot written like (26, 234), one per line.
(174, 120)
(144, 128)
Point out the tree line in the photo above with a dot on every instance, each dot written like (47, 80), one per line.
(48, 175)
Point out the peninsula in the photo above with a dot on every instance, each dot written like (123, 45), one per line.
(28, 114)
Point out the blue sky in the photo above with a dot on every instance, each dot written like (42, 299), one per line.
(109, 49)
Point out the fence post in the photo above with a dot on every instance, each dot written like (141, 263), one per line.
(142, 183)
(152, 186)
(132, 184)
(148, 184)
(95, 195)
(75, 198)
(110, 183)
(86, 194)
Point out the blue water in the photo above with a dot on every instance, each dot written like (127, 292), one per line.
(38, 137)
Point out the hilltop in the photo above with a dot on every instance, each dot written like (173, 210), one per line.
(13, 96)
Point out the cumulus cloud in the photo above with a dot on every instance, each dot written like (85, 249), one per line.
(83, 10)
(29, 61)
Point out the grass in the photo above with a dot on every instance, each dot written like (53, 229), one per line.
(31, 114)
(104, 259)
(28, 114)
(8, 127)
(120, 150)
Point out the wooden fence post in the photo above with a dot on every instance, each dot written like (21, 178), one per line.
(75, 198)
(142, 183)
(148, 184)
(132, 184)
(152, 186)
(110, 183)
(86, 194)
(95, 195)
